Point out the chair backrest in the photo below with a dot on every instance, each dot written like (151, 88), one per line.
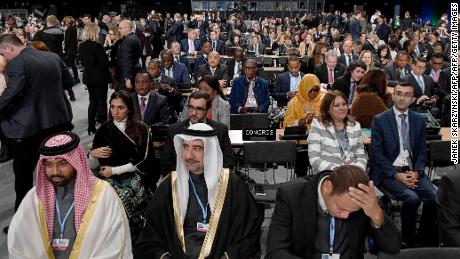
(424, 253)
(267, 61)
(269, 152)
(439, 152)
(249, 121)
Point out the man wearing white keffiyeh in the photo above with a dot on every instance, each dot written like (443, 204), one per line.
(69, 213)
(201, 210)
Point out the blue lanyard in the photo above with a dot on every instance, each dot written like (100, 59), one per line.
(204, 210)
(66, 216)
(331, 235)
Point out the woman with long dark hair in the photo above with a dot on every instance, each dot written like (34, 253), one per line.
(123, 151)
(371, 98)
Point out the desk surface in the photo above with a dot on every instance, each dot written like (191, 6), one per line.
(236, 137)
(225, 90)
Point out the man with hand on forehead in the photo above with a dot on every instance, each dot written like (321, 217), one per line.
(201, 210)
(69, 213)
(329, 215)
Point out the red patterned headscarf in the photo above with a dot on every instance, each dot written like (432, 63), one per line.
(85, 181)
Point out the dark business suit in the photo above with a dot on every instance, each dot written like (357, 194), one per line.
(342, 60)
(383, 31)
(293, 229)
(343, 84)
(231, 67)
(200, 60)
(220, 46)
(175, 32)
(355, 28)
(169, 156)
(239, 94)
(321, 71)
(385, 150)
(180, 73)
(32, 107)
(128, 55)
(367, 45)
(174, 97)
(261, 48)
(282, 87)
(220, 73)
(157, 112)
(183, 59)
(184, 45)
(449, 209)
(393, 74)
(428, 91)
(96, 76)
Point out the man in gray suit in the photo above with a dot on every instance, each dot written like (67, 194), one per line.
(33, 106)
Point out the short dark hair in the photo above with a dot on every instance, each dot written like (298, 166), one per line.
(202, 95)
(346, 176)
(406, 83)
(438, 55)
(213, 82)
(420, 59)
(293, 58)
(355, 64)
(402, 53)
(358, 42)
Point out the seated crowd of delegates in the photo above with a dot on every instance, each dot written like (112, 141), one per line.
(331, 93)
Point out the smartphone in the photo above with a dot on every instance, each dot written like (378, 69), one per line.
(258, 190)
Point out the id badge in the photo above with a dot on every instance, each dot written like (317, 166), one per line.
(202, 227)
(347, 161)
(60, 244)
(328, 256)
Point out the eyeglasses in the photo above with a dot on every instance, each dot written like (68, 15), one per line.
(436, 63)
(407, 95)
(193, 108)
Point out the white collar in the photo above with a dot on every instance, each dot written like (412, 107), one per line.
(397, 112)
(147, 96)
(321, 202)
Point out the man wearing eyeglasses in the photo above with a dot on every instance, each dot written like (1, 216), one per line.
(128, 55)
(399, 156)
(198, 105)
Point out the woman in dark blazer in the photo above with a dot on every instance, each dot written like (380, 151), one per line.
(70, 46)
(95, 75)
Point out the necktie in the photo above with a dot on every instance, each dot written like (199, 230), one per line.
(214, 46)
(213, 71)
(352, 92)
(331, 76)
(350, 59)
(176, 58)
(256, 49)
(421, 83)
(405, 137)
(143, 106)
(401, 73)
(436, 76)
